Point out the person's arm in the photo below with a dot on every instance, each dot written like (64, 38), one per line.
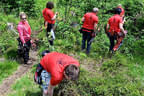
(123, 20)
(83, 19)
(45, 24)
(121, 28)
(54, 17)
(107, 27)
(50, 90)
(20, 30)
(95, 27)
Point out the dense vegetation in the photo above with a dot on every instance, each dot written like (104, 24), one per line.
(101, 74)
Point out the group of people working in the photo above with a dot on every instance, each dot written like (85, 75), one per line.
(114, 28)
(55, 66)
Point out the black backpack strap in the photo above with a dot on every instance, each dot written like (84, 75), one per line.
(39, 69)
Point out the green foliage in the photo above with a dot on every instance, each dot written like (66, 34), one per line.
(11, 53)
(99, 86)
(25, 87)
(18, 6)
(119, 75)
(8, 37)
(7, 68)
(114, 64)
(6, 41)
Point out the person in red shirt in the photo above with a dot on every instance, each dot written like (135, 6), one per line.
(90, 21)
(56, 67)
(115, 30)
(24, 39)
(49, 20)
(122, 14)
(122, 10)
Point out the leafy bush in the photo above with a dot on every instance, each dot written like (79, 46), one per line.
(18, 6)
(11, 53)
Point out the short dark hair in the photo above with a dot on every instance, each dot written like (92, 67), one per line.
(44, 52)
(50, 5)
(72, 71)
(118, 11)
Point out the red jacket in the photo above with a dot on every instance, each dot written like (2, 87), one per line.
(24, 30)
(55, 63)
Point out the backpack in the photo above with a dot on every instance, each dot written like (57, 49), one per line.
(37, 75)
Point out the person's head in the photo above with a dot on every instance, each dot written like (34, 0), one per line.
(95, 10)
(45, 52)
(118, 11)
(119, 5)
(71, 72)
(50, 5)
(23, 16)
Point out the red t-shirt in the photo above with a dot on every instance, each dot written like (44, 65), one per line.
(114, 22)
(55, 63)
(90, 20)
(48, 14)
(122, 11)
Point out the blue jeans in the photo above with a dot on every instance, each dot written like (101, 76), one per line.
(45, 79)
(86, 37)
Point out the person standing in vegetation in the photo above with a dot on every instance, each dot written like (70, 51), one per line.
(90, 21)
(49, 20)
(122, 12)
(56, 67)
(115, 30)
(24, 39)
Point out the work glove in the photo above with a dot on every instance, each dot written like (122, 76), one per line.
(120, 34)
(25, 46)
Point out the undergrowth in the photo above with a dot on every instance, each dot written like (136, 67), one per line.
(7, 68)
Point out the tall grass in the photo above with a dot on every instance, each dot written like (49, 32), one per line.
(7, 68)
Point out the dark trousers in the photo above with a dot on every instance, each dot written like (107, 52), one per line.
(112, 38)
(86, 38)
(24, 51)
(49, 27)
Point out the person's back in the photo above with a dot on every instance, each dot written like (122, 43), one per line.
(114, 22)
(90, 19)
(115, 30)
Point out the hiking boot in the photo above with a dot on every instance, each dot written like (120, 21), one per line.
(87, 52)
(83, 50)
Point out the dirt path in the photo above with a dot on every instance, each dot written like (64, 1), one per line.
(5, 87)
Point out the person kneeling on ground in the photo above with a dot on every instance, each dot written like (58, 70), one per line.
(56, 67)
